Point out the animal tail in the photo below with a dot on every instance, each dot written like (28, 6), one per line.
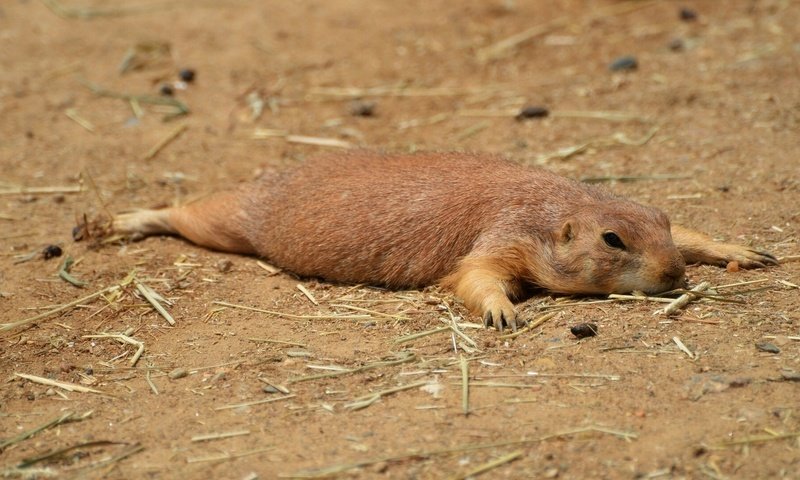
(218, 222)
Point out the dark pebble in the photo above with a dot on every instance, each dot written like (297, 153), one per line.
(625, 63)
(270, 389)
(687, 14)
(676, 45)
(224, 266)
(78, 232)
(532, 112)
(583, 330)
(768, 347)
(187, 75)
(166, 89)
(361, 108)
(52, 251)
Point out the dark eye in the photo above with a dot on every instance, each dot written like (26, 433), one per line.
(613, 240)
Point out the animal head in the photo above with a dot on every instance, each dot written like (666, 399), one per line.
(616, 247)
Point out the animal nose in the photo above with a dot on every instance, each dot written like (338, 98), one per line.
(675, 272)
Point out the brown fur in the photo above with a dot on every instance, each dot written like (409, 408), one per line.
(480, 225)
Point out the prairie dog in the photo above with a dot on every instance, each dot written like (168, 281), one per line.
(479, 225)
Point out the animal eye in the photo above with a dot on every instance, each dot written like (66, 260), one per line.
(613, 240)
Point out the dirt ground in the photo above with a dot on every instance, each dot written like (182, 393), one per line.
(707, 125)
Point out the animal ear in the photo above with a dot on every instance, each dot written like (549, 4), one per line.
(566, 234)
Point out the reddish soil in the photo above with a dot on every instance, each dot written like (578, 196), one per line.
(721, 89)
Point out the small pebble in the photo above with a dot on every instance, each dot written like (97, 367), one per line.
(187, 75)
(583, 330)
(732, 267)
(361, 108)
(270, 389)
(532, 111)
(677, 45)
(52, 251)
(768, 347)
(625, 63)
(78, 232)
(687, 14)
(224, 266)
(178, 373)
(167, 90)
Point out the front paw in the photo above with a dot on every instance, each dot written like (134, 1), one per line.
(745, 257)
(500, 313)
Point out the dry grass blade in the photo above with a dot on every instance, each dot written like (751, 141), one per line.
(65, 418)
(133, 449)
(219, 435)
(504, 47)
(88, 13)
(72, 114)
(423, 455)
(293, 316)
(178, 107)
(227, 456)
(175, 133)
(59, 453)
(531, 325)
(641, 298)
(124, 339)
(616, 139)
(9, 326)
(256, 402)
(633, 178)
(758, 439)
(281, 342)
(70, 387)
(64, 273)
(415, 336)
(488, 466)
(57, 190)
(367, 400)
(371, 312)
(307, 293)
(401, 358)
(464, 385)
(683, 347)
(154, 299)
(684, 299)
(318, 141)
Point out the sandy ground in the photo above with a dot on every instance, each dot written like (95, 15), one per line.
(708, 123)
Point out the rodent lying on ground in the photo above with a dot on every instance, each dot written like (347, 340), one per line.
(479, 225)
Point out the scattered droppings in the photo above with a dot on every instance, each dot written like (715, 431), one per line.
(687, 14)
(532, 111)
(187, 75)
(626, 63)
(52, 251)
(178, 373)
(732, 267)
(166, 90)
(768, 347)
(224, 266)
(584, 330)
(362, 108)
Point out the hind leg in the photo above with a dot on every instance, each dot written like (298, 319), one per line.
(218, 222)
